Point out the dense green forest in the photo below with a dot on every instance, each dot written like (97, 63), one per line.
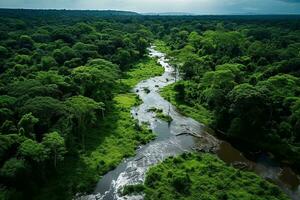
(65, 78)
(242, 78)
(59, 85)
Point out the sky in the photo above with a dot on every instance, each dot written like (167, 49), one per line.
(158, 6)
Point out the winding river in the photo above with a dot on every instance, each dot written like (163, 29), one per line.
(170, 142)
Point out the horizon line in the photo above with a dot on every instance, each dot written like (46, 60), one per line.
(165, 13)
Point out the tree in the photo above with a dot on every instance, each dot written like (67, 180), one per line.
(58, 56)
(96, 79)
(32, 151)
(85, 51)
(23, 59)
(84, 110)
(122, 58)
(82, 28)
(68, 53)
(3, 52)
(26, 42)
(55, 146)
(48, 110)
(22, 87)
(8, 127)
(12, 168)
(7, 101)
(27, 123)
(250, 110)
(142, 44)
(48, 62)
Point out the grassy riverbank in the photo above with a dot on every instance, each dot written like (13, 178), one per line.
(197, 112)
(203, 176)
(117, 137)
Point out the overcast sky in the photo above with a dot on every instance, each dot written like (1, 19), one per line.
(191, 6)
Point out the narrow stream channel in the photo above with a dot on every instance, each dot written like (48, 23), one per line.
(169, 143)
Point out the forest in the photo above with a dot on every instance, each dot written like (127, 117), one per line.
(65, 100)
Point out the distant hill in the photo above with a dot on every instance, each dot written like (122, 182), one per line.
(170, 14)
(71, 13)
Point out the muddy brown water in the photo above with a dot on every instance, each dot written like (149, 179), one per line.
(183, 134)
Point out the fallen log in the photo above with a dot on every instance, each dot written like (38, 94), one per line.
(191, 134)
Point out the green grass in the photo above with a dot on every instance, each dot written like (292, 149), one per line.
(160, 115)
(197, 112)
(116, 137)
(204, 177)
(147, 68)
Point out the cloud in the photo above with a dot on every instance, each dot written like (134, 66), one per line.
(291, 1)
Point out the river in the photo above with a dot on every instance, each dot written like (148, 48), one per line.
(171, 142)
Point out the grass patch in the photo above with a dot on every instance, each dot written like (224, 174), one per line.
(203, 176)
(160, 115)
(147, 68)
(164, 117)
(197, 112)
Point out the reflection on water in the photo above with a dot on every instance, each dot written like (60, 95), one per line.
(171, 141)
(288, 176)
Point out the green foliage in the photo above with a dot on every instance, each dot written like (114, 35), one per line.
(141, 71)
(12, 168)
(27, 123)
(133, 189)
(196, 111)
(203, 176)
(48, 110)
(3, 52)
(245, 74)
(58, 81)
(96, 79)
(250, 106)
(26, 42)
(55, 146)
(85, 111)
(48, 62)
(32, 150)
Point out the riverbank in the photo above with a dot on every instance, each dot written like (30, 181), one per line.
(117, 136)
(197, 112)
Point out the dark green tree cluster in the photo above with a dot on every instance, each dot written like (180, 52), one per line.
(247, 73)
(57, 80)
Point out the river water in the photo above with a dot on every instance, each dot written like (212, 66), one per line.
(183, 134)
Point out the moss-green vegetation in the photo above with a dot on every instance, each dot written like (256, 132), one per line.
(197, 111)
(204, 177)
(160, 115)
(164, 117)
(148, 67)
